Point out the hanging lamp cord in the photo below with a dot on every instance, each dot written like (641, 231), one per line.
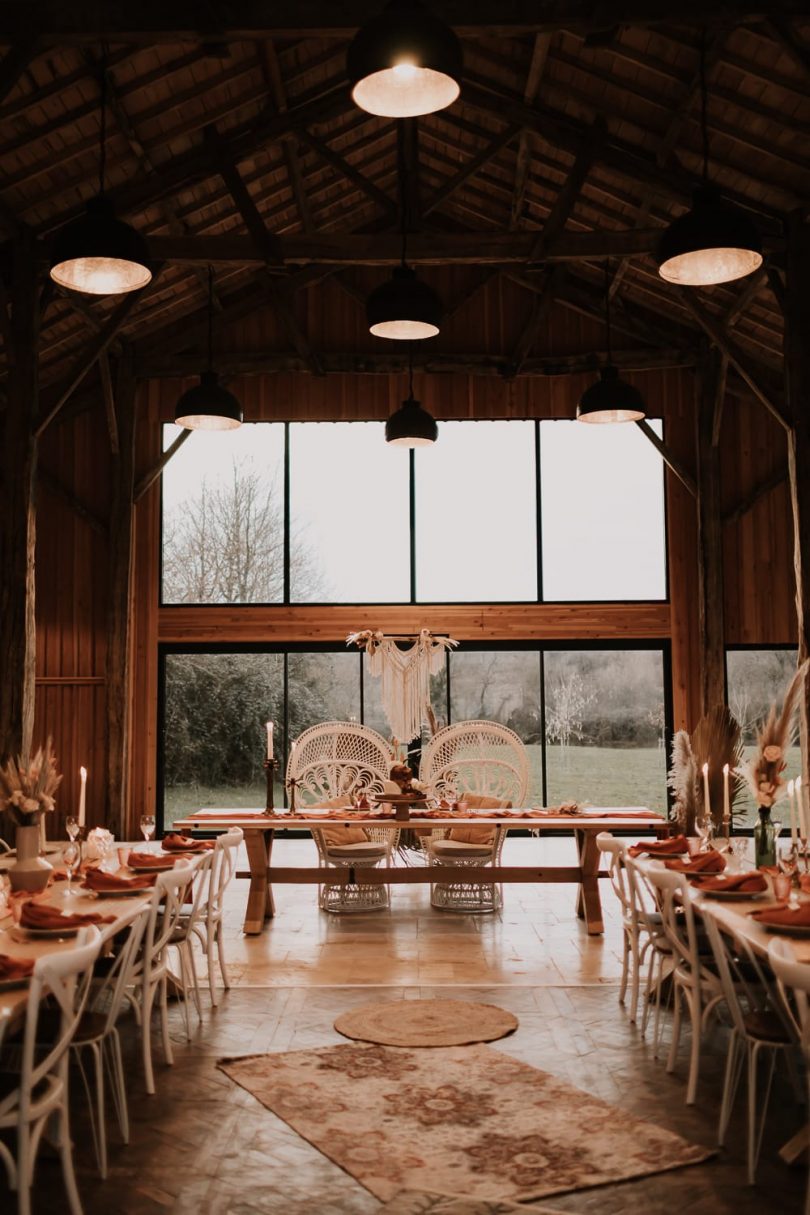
(704, 106)
(210, 318)
(607, 313)
(102, 160)
(403, 194)
(410, 371)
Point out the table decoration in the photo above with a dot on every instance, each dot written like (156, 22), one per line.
(404, 674)
(27, 788)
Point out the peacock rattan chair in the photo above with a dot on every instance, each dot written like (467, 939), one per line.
(487, 763)
(330, 763)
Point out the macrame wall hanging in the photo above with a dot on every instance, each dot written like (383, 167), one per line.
(404, 674)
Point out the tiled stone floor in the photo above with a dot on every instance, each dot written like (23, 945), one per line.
(204, 1146)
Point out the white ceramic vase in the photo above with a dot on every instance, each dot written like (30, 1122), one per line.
(31, 871)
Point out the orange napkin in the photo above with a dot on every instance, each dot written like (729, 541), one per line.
(184, 843)
(782, 915)
(40, 915)
(149, 860)
(745, 883)
(97, 880)
(703, 862)
(15, 968)
(673, 847)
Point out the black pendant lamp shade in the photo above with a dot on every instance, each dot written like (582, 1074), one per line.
(99, 254)
(715, 242)
(404, 308)
(208, 405)
(404, 62)
(610, 400)
(411, 425)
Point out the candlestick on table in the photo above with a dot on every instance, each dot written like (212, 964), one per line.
(82, 797)
(269, 772)
(726, 803)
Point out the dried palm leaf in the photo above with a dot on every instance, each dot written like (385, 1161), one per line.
(716, 740)
(682, 780)
(777, 732)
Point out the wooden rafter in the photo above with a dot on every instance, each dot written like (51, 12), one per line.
(766, 486)
(79, 508)
(149, 478)
(673, 463)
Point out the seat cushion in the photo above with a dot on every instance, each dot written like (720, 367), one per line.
(347, 851)
(342, 834)
(766, 1025)
(447, 849)
(472, 835)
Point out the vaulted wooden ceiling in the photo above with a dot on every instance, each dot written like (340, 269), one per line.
(232, 139)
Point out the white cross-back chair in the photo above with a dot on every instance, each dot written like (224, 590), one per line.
(696, 982)
(793, 984)
(38, 1091)
(184, 935)
(759, 1029)
(486, 763)
(660, 952)
(330, 763)
(208, 926)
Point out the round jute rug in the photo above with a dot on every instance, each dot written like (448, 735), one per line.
(426, 1023)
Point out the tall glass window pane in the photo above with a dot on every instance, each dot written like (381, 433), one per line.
(223, 516)
(756, 680)
(476, 516)
(322, 687)
(349, 515)
(602, 495)
(605, 728)
(502, 686)
(214, 738)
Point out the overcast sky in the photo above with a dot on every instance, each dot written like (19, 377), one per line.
(602, 509)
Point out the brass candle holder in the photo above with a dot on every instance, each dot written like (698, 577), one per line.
(292, 785)
(270, 766)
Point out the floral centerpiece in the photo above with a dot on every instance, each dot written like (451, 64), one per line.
(774, 736)
(27, 788)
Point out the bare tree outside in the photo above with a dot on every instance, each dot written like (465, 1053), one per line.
(565, 708)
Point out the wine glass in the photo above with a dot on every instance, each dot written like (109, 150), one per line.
(788, 862)
(71, 859)
(704, 828)
(147, 826)
(72, 827)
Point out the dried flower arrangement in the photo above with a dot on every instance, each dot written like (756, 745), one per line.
(27, 787)
(764, 771)
(716, 741)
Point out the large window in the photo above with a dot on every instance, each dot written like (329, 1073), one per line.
(592, 721)
(757, 679)
(327, 513)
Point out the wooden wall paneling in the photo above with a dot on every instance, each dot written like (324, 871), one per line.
(677, 408)
(710, 538)
(72, 711)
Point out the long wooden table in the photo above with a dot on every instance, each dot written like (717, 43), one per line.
(260, 831)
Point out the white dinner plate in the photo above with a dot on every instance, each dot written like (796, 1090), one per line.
(151, 868)
(733, 895)
(42, 934)
(787, 930)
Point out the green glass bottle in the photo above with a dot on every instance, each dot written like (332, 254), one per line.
(764, 839)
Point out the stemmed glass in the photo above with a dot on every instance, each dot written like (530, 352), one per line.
(147, 826)
(788, 861)
(71, 859)
(72, 827)
(705, 829)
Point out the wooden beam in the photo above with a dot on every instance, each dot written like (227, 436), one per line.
(14, 63)
(709, 541)
(18, 464)
(670, 459)
(719, 400)
(753, 286)
(566, 199)
(797, 386)
(537, 318)
(155, 21)
(118, 690)
(431, 361)
(792, 42)
(749, 500)
(426, 248)
(347, 170)
(55, 487)
(149, 478)
(109, 402)
(777, 286)
(89, 356)
(471, 168)
(714, 329)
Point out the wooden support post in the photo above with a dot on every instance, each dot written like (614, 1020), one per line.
(119, 613)
(18, 464)
(710, 539)
(797, 374)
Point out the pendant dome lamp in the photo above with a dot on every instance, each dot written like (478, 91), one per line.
(99, 254)
(714, 242)
(404, 62)
(411, 425)
(610, 399)
(208, 405)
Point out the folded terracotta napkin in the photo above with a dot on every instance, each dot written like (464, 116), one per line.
(149, 860)
(15, 968)
(40, 915)
(674, 847)
(174, 842)
(703, 862)
(97, 880)
(784, 916)
(745, 883)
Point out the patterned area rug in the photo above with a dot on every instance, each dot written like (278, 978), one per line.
(413, 1202)
(462, 1120)
(427, 1023)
